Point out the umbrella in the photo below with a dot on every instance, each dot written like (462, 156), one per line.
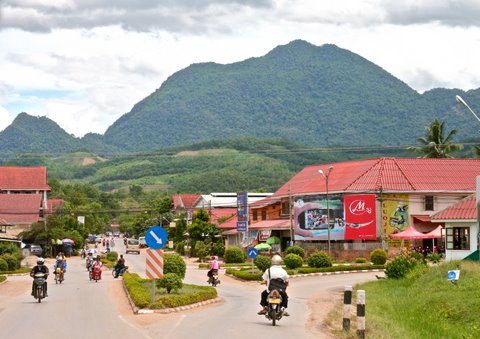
(263, 246)
(67, 241)
(92, 250)
(273, 240)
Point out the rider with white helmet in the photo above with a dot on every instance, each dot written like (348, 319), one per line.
(40, 268)
(276, 278)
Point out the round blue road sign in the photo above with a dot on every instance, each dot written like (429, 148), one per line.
(156, 237)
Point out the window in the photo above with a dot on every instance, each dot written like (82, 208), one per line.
(264, 215)
(285, 208)
(429, 206)
(255, 215)
(458, 238)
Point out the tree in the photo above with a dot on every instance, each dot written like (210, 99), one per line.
(434, 143)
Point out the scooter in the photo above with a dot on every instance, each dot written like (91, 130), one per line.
(59, 277)
(95, 273)
(214, 280)
(275, 311)
(39, 281)
(120, 273)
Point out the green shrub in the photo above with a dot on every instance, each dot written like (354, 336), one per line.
(296, 250)
(434, 257)
(174, 263)
(360, 260)
(201, 250)
(401, 265)
(378, 256)
(2, 278)
(139, 294)
(234, 254)
(262, 262)
(12, 262)
(3, 265)
(245, 274)
(170, 281)
(180, 248)
(112, 256)
(293, 261)
(319, 259)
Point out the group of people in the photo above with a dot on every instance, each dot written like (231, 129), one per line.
(274, 277)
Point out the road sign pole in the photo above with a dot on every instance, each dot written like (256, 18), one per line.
(153, 291)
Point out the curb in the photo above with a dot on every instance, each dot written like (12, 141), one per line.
(137, 310)
(335, 273)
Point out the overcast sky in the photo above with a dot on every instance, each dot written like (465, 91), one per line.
(85, 63)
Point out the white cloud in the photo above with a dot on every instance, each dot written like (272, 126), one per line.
(85, 63)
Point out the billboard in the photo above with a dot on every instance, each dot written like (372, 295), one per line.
(360, 217)
(395, 214)
(242, 211)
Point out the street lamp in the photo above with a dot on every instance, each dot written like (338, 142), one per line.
(325, 176)
(461, 101)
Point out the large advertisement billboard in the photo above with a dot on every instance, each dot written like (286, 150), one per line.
(356, 222)
(395, 214)
(360, 217)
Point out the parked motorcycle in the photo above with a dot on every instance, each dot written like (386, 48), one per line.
(39, 281)
(214, 280)
(59, 275)
(120, 273)
(275, 311)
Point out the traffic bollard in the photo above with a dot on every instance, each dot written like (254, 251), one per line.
(347, 307)
(361, 314)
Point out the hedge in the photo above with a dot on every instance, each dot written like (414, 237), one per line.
(175, 300)
(135, 285)
(2, 278)
(307, 270)
(245, 274)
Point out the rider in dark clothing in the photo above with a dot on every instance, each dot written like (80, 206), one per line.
(40, 268)
(120, 265)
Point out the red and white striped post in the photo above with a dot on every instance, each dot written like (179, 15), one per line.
(154, 267)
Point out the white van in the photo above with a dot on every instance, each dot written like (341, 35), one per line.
(142, 242)
(133, 245)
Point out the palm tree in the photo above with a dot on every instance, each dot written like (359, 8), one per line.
(434, 144)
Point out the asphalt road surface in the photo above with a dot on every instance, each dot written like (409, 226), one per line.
(80, 308)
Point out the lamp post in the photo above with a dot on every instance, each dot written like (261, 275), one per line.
(461, 101)
(325, 176)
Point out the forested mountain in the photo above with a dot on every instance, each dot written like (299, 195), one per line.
(315, 96)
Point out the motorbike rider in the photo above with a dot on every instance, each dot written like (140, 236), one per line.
(89, 261)
(214, 265)
(275, 277)
(120, 265)
(40, 268)
(60, 263)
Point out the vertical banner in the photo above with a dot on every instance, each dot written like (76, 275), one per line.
(242, 211)
(395, 214)
(360, 217)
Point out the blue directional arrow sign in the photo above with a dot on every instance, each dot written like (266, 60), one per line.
(252, 252)
(156, 237)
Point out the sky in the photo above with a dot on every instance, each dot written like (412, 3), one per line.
(85, 63)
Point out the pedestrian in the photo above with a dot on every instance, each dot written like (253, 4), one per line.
(112, 243)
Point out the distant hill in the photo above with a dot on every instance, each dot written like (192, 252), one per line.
(315, 96)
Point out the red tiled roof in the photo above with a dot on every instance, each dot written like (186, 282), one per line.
(387, 174)
(218, 213)
(230, 223)
(23, 178)
(20, 208)
(185, 201)
(465, 209)
(264, 202)
(54, 204)
(277, 224)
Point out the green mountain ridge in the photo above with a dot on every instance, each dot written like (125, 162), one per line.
(315, 96)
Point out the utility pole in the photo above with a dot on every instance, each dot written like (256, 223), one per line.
(290, 207)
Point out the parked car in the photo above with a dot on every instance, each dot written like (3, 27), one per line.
(132, 246)
(35, 249)
(142, 242)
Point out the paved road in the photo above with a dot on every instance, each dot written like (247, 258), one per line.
(83, 309)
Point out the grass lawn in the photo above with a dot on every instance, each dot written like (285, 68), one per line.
(422, 305)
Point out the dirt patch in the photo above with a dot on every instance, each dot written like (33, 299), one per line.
(320, 309)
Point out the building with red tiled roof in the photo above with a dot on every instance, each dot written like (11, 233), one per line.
(367, 200)
(185, 203)
(461, 228)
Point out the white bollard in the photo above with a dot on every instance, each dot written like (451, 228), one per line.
(347, 307)
(361, 314)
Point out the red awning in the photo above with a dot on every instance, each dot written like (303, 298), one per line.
(422, 218)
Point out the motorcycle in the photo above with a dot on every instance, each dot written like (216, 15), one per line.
(39, 281)
(275, 311)
(89, 263)
(59, 277)
(95, 273)
(120, 273)
(214, 280)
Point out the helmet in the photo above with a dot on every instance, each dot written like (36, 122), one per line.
(40, 261)
(276, 260)
(98, 257)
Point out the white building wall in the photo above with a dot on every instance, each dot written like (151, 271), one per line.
(461, 254)
(440, 202)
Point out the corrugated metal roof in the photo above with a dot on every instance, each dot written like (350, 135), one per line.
(23, 178)
(465, 209)
(386, 174)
